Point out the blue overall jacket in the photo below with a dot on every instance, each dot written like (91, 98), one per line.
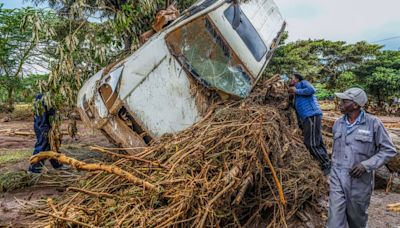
(306, 103)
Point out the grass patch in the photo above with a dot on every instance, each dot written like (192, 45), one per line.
(327, 105)
(21, 112)
(9, 156)
(17, 180)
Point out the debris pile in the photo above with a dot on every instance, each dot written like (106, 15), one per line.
(243, 164)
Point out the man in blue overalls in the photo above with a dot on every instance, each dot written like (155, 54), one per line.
(361, 145)
(42, 126)
(310, 115)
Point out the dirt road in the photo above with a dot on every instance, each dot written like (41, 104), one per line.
(379, 216)
(19, 134)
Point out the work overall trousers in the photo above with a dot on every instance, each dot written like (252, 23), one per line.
(349, 197)
(369, 144)
(42, 126)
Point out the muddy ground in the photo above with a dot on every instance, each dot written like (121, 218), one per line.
(15, 150)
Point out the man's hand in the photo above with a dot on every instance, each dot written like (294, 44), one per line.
(357, 171)
(292, 90)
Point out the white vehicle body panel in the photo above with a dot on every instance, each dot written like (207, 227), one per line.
(163, 101)
(155, 90)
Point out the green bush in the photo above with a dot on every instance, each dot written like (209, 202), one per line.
(322, 92)
(27, 90)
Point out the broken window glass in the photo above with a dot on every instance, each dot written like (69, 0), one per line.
(200, 48)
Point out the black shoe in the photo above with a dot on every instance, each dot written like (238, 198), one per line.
(33, 172)
(64, 167)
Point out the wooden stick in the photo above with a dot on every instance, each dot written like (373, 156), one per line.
(25, 133)
(97, 194)
(233, 173)
(92, 167)
(271, 167)
(123, 148)
(245, 184)
(130, 157)
(210, 203)
(393, 205)
(51, 204)
(66, 219)
(328, 134)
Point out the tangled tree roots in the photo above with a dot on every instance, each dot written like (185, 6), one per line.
(243, 165)
(92, 167)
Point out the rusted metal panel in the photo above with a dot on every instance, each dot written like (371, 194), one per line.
(109, 86)
(115, 128)
(122, 134)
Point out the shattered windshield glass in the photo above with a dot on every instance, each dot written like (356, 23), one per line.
(200, 48)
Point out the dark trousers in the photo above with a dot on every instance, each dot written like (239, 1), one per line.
(42, 144)
(312, 133)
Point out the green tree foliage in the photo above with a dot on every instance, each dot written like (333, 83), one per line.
(125, 19)
(322, 92)
(91, 35)
(27, 90)
(22, 32)
(346, 80)
(335, 66)
(321, 60)
(380, 76)
(298, 56)
(389, 59)
(384, 84)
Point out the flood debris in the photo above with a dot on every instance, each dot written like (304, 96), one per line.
(243, 164)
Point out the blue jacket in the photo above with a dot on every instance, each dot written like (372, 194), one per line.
(306, 103)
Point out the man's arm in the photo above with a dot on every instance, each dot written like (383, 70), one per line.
(306, 89)
(385, 147)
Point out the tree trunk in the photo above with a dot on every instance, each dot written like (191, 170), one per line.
(380, 103)
(10, 100)
(127, 42)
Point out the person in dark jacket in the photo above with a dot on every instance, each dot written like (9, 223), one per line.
(42, 126)
(309, 116)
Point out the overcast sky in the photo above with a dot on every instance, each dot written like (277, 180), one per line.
(348, 20)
